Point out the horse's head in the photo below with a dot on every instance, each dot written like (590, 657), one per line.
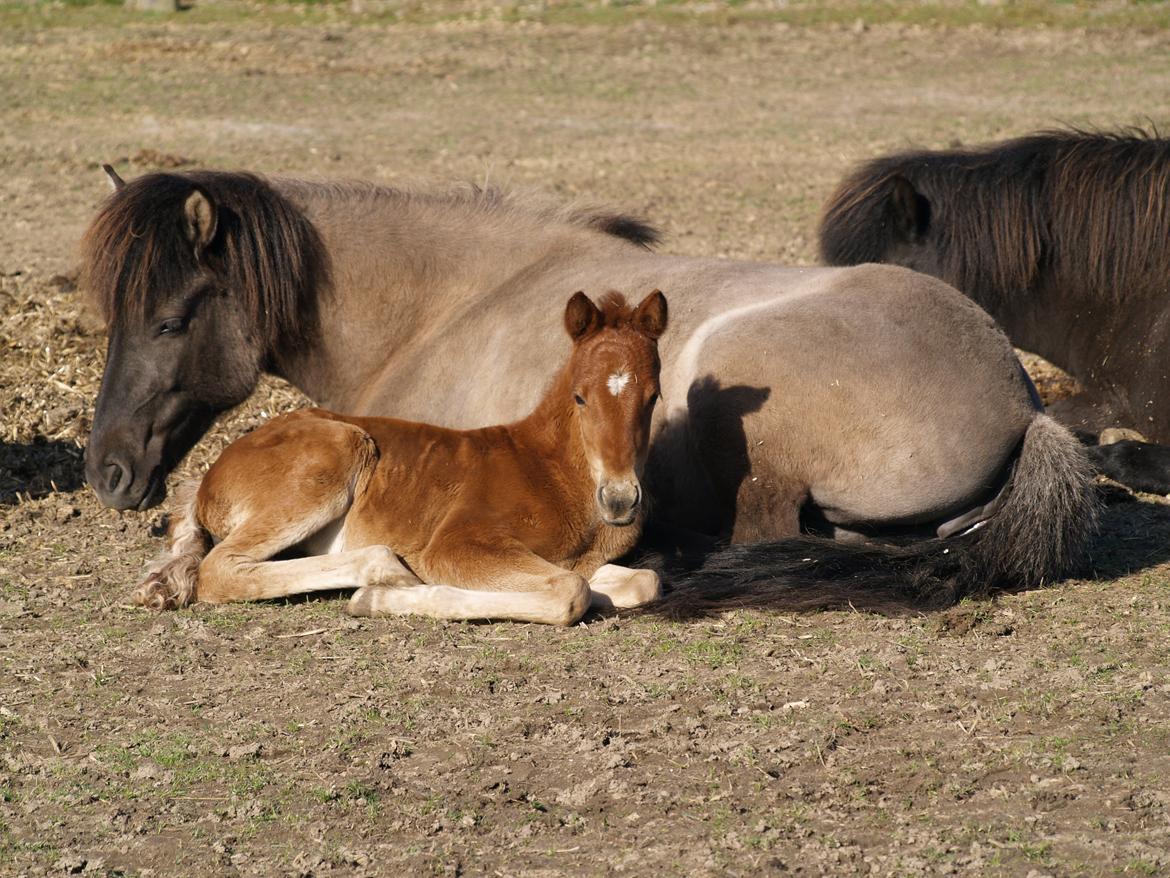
(201, 278)
(613, 375)
(878, 216)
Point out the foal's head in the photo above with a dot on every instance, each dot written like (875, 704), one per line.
(613, 375)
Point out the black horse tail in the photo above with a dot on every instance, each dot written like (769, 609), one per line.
(1037, 536)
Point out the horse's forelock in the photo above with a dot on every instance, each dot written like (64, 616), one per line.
(266, 252)
(616, 312)
(134, 249)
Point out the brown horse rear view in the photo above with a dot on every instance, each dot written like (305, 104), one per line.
(505, 522)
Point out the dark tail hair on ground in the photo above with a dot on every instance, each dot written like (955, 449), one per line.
(1037, 536)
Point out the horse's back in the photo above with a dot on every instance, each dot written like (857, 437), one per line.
(882, 395)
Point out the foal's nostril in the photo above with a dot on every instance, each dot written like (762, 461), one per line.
(620, 499)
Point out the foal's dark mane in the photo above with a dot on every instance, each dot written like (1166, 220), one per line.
(1089, 208)
(265, 251)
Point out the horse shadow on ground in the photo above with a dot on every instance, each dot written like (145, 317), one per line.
(701, 461)
(1134, 535)
(39, 468)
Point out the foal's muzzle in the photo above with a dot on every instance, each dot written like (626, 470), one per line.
(619, 501)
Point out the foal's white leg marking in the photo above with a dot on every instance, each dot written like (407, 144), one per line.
(358, 568)
(617, 382)
(448, 602)
(620, 587)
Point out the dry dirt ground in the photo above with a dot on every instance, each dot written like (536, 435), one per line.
(1025, 736)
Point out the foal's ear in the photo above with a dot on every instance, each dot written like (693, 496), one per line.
(650, 316)
(581, 316)
(199, 220)
(911, 209)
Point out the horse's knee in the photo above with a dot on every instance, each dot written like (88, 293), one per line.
(383, 568)
(571, 598)
(223, 578)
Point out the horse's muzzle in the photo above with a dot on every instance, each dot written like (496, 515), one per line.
(117, 486)
(618, 501)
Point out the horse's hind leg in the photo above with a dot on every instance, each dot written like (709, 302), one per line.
(278, 491)
(238, 568)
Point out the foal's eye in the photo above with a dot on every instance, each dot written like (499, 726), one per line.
(577, 399)
(172, 326)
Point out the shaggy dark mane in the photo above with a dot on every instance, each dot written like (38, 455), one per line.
(1091, 208)
(265, 251)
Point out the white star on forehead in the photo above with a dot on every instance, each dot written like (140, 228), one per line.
(617, 382)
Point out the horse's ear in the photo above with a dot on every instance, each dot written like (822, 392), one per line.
(911, 209)
(116, 182)
(581, 316)
(650, 316)
(199, 219)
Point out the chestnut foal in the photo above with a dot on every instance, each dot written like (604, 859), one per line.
(510, 522)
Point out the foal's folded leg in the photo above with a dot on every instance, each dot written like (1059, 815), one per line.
(496, 579)
(277, 489)
(233, 572)
(615, 587)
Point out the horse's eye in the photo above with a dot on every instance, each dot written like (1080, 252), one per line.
(172, 326)
(577, 399)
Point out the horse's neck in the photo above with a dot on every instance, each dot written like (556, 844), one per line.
(551, 435)
(399, 267)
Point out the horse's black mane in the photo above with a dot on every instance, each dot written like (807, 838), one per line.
(265, 251)
(1091, 208)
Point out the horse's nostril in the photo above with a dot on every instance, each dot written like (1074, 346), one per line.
(115, 474)
(620, 497)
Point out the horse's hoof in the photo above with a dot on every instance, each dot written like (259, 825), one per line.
(361, 605)
(1114, 435)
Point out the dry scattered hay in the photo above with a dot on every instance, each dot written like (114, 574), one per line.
(50, 369)
(51, 359)
(1052, 383)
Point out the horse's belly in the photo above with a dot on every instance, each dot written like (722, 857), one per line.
(886, 410)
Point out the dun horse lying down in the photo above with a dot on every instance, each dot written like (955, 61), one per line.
(511, 522)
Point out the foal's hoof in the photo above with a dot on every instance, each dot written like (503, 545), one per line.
(621, 588)
(370, 600)
(361, 604)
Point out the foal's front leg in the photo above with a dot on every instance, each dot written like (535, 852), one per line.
(615, 587)
(491, 579)
(610, 585)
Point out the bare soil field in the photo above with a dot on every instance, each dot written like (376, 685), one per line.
(1028, 736)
